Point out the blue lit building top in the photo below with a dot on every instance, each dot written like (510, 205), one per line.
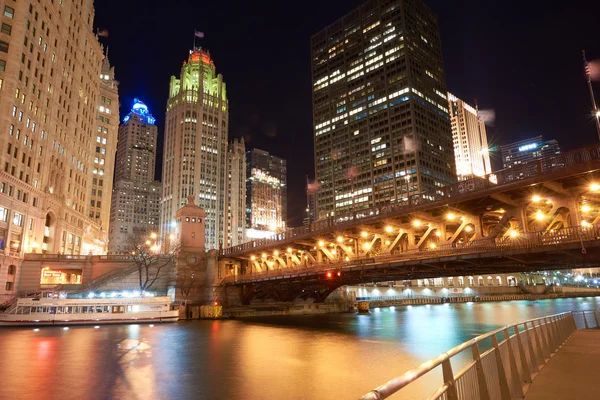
(141, 110)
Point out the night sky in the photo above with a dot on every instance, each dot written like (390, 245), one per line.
(521, 59)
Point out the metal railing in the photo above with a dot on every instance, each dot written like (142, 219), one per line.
(530, 240)
(504, 371)
(453, 191)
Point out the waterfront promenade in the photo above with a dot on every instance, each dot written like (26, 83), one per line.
(573, 371)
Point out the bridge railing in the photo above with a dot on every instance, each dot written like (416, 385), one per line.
(441, 195)
(504, 371)
(527, 240)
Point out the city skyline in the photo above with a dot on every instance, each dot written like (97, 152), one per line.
(263, 98)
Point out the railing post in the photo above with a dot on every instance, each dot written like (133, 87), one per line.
(483, 389)
(573, 324)
(524, 366)
(449, 379)
(502, 381)
(585, 321)
(517, 386)
(556, 332)
(541, 358)
(532, 355)
(551, 341)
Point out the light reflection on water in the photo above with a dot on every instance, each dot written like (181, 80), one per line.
(306, 357)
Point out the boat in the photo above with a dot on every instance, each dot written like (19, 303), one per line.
(51, 308)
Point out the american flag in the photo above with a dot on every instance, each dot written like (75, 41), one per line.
(588, 72)
(199, 34)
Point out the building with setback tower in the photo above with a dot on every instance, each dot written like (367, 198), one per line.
(59, 112)
(380, 112)
(195, 156)
(134, 211)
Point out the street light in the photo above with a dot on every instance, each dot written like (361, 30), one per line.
(450, 216)
(153, 235)
(389, 229)
(416, 223)
(594, 187)
(536, 199)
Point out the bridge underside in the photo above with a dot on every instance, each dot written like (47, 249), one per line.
(318, 283)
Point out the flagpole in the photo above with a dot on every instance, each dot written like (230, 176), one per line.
(194, 45)
(589, 82)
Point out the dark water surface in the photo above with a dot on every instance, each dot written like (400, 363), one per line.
(338, 356)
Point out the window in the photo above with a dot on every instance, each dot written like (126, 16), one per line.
(9, 12)
(9, 286)
(6, 28)
(18, 219)
(4, 214)
(2, 65)
(12, 269)
(3, 46)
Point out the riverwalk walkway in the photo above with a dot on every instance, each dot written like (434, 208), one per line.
(573, 372)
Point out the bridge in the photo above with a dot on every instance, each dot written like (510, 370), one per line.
(542, 215)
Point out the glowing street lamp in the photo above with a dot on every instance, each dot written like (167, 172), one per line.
(586, 208)
(153, 235)
(536, 199)
(416, 223)
(363, 234)
(340, 239)
(389, 229)
(450, 216)
(367, 246)
(539, 215)
(321, 243)
(594, 187)
(513, 233)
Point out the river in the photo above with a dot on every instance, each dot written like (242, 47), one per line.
(335, 356)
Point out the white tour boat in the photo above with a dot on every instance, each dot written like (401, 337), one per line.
(50, 308)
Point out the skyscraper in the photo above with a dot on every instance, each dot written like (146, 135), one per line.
(195, 157)
(58, 114)
(528, 151)
(470, 140)
(380, 112)
(135, 206)
(266, 193)
(236, 194)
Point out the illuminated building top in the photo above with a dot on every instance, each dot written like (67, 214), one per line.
(141, 110)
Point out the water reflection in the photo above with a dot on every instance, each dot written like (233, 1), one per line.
(304, 357)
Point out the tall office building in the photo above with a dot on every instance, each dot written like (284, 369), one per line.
(134, 210)
(380, 112)
(236, 194)
(471, 151)
(53, 119)
(527, 151)
(266, 194)
(195, 157)
(311, 203)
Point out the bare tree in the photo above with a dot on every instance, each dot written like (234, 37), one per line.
(150, 262)
(188, 280)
